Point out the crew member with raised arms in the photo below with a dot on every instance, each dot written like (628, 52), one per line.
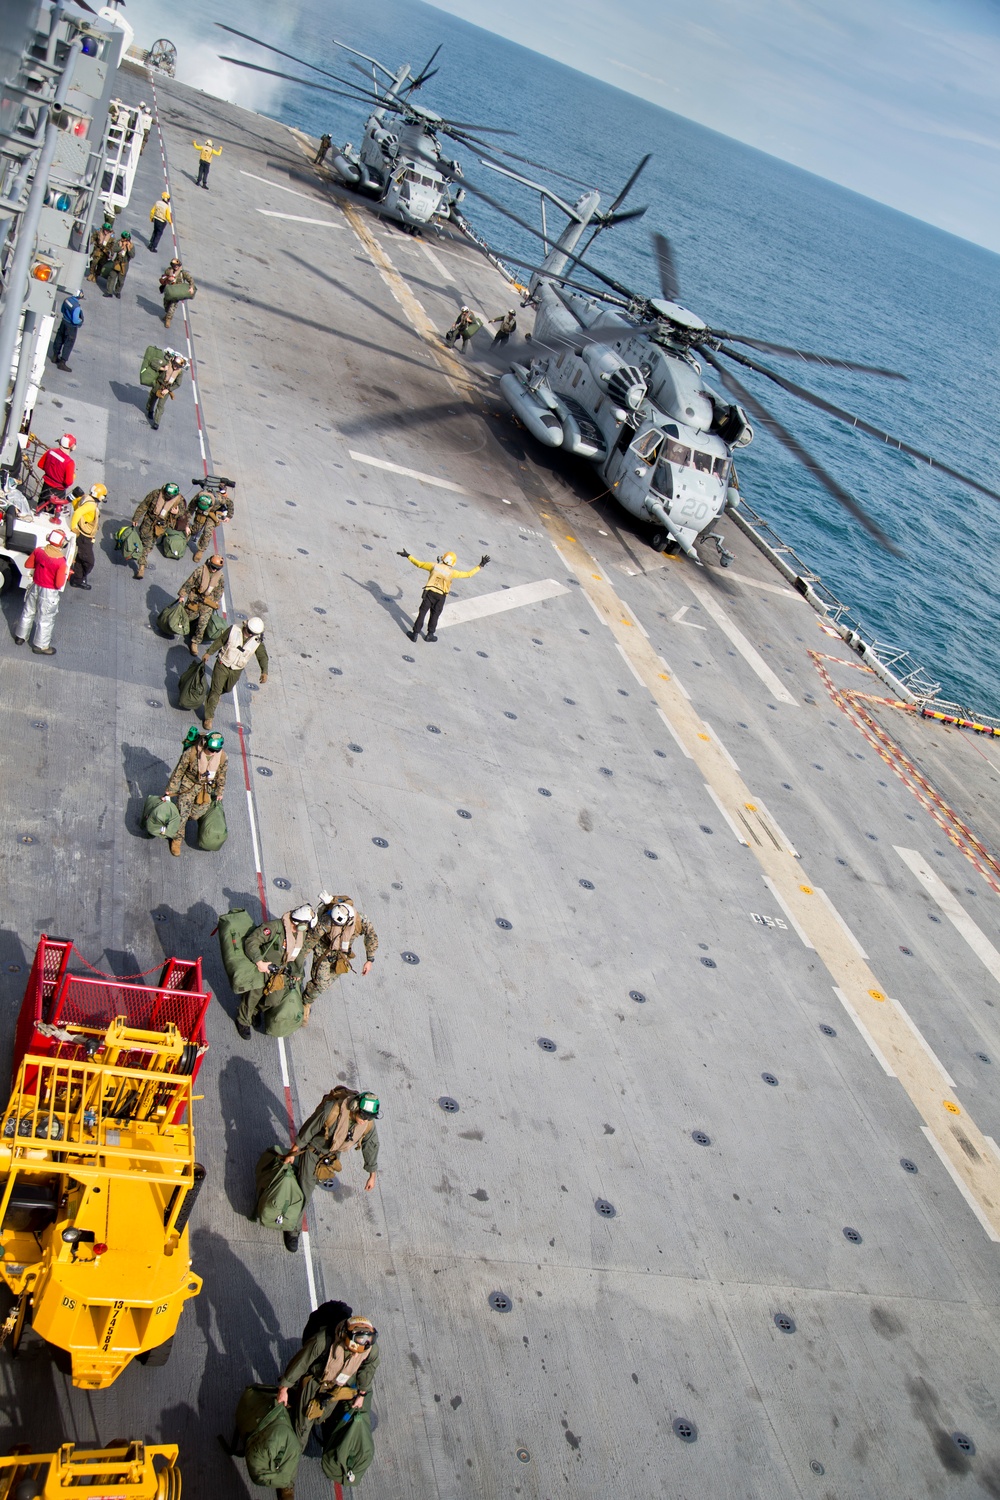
(443, 573)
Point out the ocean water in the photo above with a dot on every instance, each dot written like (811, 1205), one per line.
(762, 248)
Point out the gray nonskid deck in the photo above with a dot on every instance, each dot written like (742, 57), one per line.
(620, 1325)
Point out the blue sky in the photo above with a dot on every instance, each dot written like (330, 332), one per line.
(897, 99)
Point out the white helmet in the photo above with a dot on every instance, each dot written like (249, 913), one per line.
(304, 916)
(342, 913)
(255, 625)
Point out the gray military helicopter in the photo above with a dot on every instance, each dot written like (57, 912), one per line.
(616, 378)
(400, 164)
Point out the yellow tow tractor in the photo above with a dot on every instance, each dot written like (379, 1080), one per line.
(97, 1168)
(126, 1471)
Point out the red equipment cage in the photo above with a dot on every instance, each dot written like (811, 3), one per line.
(55, 997)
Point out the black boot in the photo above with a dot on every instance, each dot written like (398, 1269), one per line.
(412, 634)
(291, 1240)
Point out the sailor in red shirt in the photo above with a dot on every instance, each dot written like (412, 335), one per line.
(59, 470)
(49, 571)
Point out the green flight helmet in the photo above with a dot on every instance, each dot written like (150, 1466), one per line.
(367, 1104)
(215, 740)
(191, 738)
(203, 501)
(170, 490)
(108, 224)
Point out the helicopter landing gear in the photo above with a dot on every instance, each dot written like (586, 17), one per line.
(725, 558)
(662, 541)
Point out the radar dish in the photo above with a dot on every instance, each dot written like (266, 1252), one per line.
(163, 55)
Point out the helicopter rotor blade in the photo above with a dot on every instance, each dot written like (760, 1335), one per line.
(616, 286)
(832, 410)
(790, 441)
(666, 266)
(527, 265)
(625, 215)
(303, 62)
(485, 147)
(811, 358)
(306, 83)
(423, 75)
(644, 163)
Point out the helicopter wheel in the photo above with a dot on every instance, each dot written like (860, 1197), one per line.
(662, 541)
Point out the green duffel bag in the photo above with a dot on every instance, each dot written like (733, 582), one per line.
(348, 1448)
(272, 1449)
(212, 830)
(178, 291)
(192, 685)
(174, 621)
(129, 543)
(284, 1011)
(233, 927)
(152, 361)
(161, 820)
(216, 625)
(173, 543)
(280, 1200)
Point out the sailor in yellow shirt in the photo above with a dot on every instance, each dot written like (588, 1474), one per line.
(206, 152)
(84, 524)
(437, 589)
(161, 217)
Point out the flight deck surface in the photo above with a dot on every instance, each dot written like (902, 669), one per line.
(709, 981)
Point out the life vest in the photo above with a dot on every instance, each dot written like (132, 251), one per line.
(440, 578)
(236, 653)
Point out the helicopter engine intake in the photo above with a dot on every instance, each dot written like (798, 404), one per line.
(626, 384)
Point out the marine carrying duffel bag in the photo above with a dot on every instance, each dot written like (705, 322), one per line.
(348, 1448)
(280, 1199)
(152, 362)
(192, 685)
(129, 543)
(174, 620)
(173, 543)
(234, 926)
(272, 1449)
(284, 1013)
(178, 291)
(212, 830)
(161, 820)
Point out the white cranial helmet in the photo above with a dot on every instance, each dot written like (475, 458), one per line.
(304, 916)
(342, 913)
(255, 625)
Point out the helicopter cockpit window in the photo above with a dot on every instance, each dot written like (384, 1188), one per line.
(722, 467)
(647, 447)
(677, 453)
(703, 462)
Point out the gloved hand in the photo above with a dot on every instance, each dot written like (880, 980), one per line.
(484, 559)
(263, 678)
(405, 552)
(164, 799)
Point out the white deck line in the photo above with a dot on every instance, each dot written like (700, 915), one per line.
(283, 189)
(758, 583)
(876, 1051)
(383, 463)
(843, 925)
(625, 658)
(787, 910)
(674, 678)
(675, 736)
(722, 747)
(991, 1233)
(749, 653)
(718, 802)
(953, 910)
(272, 213)
(522, 594)
(922, 1040)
